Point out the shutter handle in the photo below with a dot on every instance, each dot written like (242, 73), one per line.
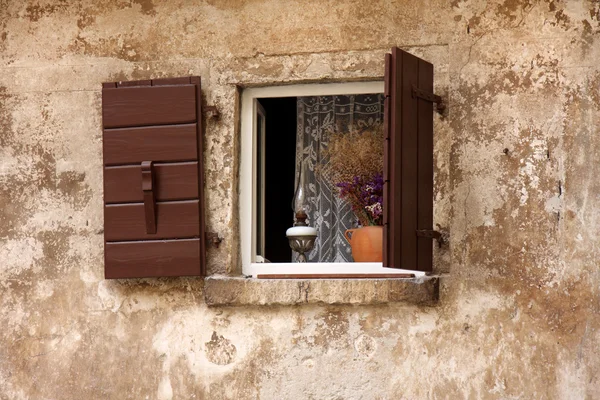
(149, 199)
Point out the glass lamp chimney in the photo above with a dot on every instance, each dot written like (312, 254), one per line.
(299, 203)
(301, 236)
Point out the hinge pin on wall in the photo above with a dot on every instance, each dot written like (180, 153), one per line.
(440, 237)
(212, 112)
(213, 238)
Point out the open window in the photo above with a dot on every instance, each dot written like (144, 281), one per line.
(153, 174)
(273, 128)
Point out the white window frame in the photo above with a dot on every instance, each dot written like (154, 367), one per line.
(248, 172)
(260, 111)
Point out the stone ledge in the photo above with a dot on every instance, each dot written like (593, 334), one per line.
(238, 291)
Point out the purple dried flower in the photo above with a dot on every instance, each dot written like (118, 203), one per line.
(366, 198)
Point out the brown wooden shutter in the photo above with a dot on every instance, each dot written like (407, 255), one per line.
(408, 163)
(153, 178)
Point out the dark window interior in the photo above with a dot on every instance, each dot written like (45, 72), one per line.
(280, 151)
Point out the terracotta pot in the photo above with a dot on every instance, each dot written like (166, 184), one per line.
(366, 243)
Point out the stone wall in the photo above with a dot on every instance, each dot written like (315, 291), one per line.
(516, 187)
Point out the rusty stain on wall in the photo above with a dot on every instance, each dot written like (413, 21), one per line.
(220, 350)
(519, 312)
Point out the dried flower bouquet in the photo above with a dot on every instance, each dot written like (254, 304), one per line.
(353, 162)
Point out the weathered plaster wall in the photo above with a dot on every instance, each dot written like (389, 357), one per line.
(519, 314)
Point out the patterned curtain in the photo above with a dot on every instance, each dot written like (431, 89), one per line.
(317, 118)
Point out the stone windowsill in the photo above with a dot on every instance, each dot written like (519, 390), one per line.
(239, 291)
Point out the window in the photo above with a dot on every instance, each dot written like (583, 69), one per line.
(408, 171)
(252, 180)
(153, 175)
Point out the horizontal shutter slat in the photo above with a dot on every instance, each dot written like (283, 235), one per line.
(179, 219)
(176, 181)
(146, 82)
(148, 105)
(151, 143)
(152, 259)
(171, 81)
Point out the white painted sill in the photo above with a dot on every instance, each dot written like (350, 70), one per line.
(255, 269)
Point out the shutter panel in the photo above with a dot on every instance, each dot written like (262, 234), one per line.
(408, 163)
(153, 178)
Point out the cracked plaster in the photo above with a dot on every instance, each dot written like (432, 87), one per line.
(518, 316)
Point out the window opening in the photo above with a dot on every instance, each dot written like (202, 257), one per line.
(278, 126)
(275, 183)
(292, 155)
(266, 204)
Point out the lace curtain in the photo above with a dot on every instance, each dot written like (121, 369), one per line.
(317, 118)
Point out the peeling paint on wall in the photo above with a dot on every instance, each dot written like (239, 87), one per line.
(516, 169)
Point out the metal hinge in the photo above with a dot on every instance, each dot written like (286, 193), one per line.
(434, 98)
(428, 233)
(212, 112)
(213, 238)
(431, 234)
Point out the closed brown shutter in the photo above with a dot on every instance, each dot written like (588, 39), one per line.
(153, 178)
(408, 163)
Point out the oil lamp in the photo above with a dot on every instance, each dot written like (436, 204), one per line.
(301, 236)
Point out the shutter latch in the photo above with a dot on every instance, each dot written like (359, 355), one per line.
(431, 234)
(149, 199)
(213, 238)
(434, 98)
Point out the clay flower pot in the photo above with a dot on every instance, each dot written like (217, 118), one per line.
(366, 243)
